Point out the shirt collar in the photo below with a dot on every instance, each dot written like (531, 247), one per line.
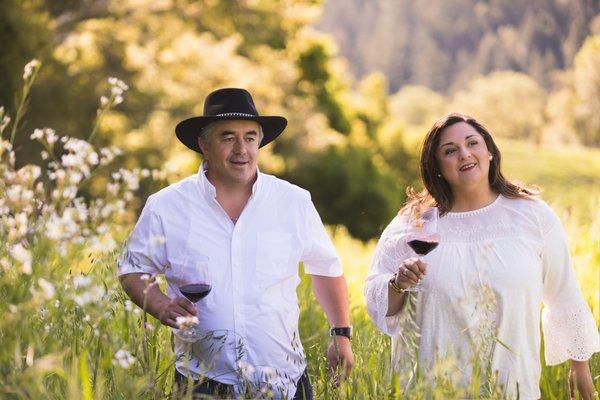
(208, 188)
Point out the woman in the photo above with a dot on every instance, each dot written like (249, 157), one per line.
(501, 252)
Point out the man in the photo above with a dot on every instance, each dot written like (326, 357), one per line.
(249, 230)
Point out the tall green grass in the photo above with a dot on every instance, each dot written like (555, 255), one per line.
(68, 331)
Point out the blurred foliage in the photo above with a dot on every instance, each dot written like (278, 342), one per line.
(574, 109)
(172, 53)
(510, 104)
(443, 44)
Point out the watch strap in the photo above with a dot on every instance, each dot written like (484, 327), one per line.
(341, 331)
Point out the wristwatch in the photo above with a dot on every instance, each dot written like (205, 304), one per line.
(341, 331)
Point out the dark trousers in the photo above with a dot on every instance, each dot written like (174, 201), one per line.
(208, 388)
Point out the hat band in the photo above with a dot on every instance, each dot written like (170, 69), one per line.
(235, 114)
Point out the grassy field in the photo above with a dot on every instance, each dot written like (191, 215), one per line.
(81, 339)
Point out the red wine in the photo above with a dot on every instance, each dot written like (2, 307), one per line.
(422, 247)
(196, 291)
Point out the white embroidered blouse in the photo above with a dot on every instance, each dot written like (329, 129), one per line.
(485, 283)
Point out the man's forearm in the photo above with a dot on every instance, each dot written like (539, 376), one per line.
(332, 295)
(144, 293)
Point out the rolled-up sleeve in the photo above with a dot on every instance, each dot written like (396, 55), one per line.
(145, 250)
(569, 328)
(391, 250)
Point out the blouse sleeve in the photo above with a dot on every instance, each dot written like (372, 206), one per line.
(391, 250)
(145, 250)
(568, 324)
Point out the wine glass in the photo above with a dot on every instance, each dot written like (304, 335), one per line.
(194, 284)
(423, 238)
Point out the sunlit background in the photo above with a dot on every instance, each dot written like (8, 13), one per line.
(360, 83)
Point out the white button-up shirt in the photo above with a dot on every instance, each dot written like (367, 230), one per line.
(250, 318)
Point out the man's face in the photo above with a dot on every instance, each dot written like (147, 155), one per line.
(231, 151)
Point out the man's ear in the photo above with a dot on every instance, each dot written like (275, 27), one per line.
(202, 145)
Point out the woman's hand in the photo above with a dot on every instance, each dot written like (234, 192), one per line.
(410, 272)
(581, 378)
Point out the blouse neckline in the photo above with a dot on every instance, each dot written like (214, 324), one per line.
(481, 210)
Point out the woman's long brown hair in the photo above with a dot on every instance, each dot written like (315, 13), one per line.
(437, 192)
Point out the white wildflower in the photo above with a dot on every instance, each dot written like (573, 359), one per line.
(113, 188)
(92, 295)
(92, 158)
(47, 289)
(23, 256)
(29, 68)
(75, 178)
(118, 83)
(71, 160)
(246, 368)
(13, 193)
(124, 358)
(103, 101)
(37, 134)
(4, 123)
(185, 322)
(80, 281)
(51, 136)
(44, 154)
(60, 174)
(128, 305)
(36, 172)
(57, 303)
(116, 91)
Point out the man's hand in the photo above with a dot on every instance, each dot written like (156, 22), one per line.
(177, 307)
(581, 378)
(339, 358)
(147, 295)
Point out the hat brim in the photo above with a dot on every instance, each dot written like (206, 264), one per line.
(187, 131)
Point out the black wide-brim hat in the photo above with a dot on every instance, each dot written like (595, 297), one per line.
(228, 104)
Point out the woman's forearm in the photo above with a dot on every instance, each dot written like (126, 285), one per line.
(395, 301)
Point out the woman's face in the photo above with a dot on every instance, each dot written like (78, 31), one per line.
(463, 157)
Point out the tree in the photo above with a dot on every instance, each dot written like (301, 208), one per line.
(511, 104)
(417, 106)
(586, 81)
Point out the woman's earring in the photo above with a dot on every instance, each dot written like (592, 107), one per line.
(439, 175)
(491, 157)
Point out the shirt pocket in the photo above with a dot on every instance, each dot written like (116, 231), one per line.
(273, 254)
(275, 275)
